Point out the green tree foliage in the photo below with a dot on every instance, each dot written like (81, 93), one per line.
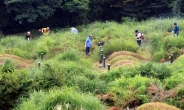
(139, 9)
(19, 15)
(31, 10)
(3, 15)
(75, 11)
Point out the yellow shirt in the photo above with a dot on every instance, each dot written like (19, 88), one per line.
(45, 31)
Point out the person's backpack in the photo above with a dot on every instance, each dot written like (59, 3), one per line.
(142, 36)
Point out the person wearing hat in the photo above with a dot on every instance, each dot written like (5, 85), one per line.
(138, 37)
(88, 44)
(28, 36)
(73, 30)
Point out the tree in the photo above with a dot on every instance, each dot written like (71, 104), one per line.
(75, 11)
(139, 9)
(176, 8)
(31, 10)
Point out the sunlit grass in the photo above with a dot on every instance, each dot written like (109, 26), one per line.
(67, 98)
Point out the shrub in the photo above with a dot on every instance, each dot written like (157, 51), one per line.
(12, 86)
(9, 42)
(156, 43)
(163, 71)
(60, 98)
(85, 84)
(173, 81)
(118, 72)
(157, 56)
(159, 71)
(119, 45)
(126, 90)
(44, 45)
(68, 73)
(171, 42)
(71, 55)
(178, 64)
(176, 97)
(20, 52)
(8, 66)
(174, 51)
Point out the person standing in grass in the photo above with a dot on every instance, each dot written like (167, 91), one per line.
(88, 44)
(138, 36)
(176, 29)
(28, 36)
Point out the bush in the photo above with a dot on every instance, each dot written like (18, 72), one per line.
(156, 43)
(173, 81)
(57, 74)
(44, 45)
(115, 45)
(157, 56)
(9, 42)
(70, 55)
(176, 98)
(12, 86)
(176, 52)
(87, 85)
(118, 72)
(171, 42)
(60, 99)
(126, 90)
(178, 64)
(8, 66)
(159, 71)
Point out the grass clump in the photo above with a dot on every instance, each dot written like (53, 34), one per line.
(66, 98)
(70, 55)
(120, 45)
(126, 90)
(159, 71)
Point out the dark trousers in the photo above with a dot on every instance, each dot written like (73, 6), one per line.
(139, 42)
(27, 38)
(87, 50)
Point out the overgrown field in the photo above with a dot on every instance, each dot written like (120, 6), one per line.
(53, 73)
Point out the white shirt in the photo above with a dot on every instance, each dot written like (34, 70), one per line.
(74, 30)
(138, 36)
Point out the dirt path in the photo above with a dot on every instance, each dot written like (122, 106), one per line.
(20, 62)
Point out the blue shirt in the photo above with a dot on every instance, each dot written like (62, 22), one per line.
(176, 29)
(88, 42)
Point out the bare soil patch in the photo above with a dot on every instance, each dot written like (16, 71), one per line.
(115, 54)
(157, 106)
(20, 62)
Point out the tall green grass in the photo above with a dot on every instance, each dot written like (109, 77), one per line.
(126, 90)
(68, 96)
(65, 64)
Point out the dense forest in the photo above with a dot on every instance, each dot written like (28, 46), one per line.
(22, 15)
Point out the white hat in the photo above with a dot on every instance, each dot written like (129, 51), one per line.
(28, 32)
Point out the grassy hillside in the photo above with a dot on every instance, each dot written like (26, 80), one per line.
(68, 79)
